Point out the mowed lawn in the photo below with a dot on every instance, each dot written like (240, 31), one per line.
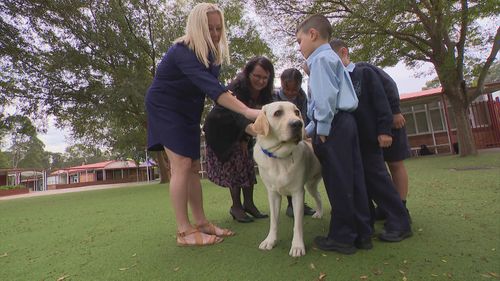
(129, 234)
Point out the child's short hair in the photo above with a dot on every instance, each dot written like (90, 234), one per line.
(337, 44)
(291, 74)
(318, 22)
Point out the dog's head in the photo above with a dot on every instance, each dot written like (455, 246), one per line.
(282, 120)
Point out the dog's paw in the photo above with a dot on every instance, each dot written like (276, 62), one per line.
(297, 251)
(317, 215)
(267, 244)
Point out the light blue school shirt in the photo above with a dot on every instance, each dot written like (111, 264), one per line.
(331, 89)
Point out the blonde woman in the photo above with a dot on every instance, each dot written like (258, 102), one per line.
(188, 73)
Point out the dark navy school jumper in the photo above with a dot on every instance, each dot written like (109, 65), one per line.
(374, 117)
(400, 149)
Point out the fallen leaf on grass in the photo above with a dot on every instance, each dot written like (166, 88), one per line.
(127, 268)
(324, 255)
(312, 266)
(404, 278)
(377, 271)
(444, 261)
(4, 255)
(486, 275)
(135, 254)
(434, 275)
(402, 272)
(322, 276)
(62, 277)
(363, 277)
(494, 274)
(177, 269)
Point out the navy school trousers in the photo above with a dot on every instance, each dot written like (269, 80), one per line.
(343, 176)
(381, 189)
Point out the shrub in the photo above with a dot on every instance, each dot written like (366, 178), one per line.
(8, 187)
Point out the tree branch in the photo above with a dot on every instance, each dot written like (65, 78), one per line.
(461, 42)
(489, 61)
(151, 39)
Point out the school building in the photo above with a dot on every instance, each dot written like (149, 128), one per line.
(107, 172)
(430, 121)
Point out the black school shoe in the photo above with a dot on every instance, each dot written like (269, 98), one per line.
(363, 244)
(328, 244)
(395, 236)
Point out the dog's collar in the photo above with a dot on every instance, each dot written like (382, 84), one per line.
(270, 152)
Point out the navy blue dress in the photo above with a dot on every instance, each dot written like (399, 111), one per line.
(175, 100)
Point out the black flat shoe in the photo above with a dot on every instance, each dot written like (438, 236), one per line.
(308, 211)
(328, 244)
(256, 214)
(395, 236)
(243, 219)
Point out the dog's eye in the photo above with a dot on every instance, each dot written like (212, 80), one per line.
(297, 112)
(278, 113)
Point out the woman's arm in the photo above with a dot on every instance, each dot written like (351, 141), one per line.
(230, 102)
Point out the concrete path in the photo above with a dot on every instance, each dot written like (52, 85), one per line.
(76, 189)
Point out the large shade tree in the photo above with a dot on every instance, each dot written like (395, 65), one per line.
(446, 34)
(89, 63)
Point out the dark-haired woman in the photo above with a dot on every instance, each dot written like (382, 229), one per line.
(229, 138)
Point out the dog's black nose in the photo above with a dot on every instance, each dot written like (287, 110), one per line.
(297, 124)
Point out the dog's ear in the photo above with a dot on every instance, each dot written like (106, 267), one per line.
(261, 125)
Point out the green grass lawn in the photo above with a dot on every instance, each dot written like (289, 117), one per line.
(129, 234)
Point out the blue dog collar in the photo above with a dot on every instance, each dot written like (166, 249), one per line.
(268, 153)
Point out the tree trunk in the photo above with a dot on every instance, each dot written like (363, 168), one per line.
(465, 138)
(164, 166)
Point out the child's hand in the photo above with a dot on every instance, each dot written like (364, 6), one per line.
(384, 140)
(398, 121)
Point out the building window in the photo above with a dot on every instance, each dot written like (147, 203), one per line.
(421, 120)
(437, 116)
(410, 123)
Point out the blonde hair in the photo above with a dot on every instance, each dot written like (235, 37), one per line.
(197, 35)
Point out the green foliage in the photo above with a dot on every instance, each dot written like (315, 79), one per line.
(445, 33)
(35, 156)
(81, 154)
(10, 187)
(4, 160)
(90, 63)
(434, 83)
(25, 148)
(494, 73)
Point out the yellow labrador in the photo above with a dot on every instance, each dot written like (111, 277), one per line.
(286, 164)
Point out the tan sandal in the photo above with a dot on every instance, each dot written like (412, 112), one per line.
(210, 228)
(194, 237)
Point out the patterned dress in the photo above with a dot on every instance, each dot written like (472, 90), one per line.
(237, 171)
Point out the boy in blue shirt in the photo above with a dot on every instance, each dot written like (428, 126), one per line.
(335, 139)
